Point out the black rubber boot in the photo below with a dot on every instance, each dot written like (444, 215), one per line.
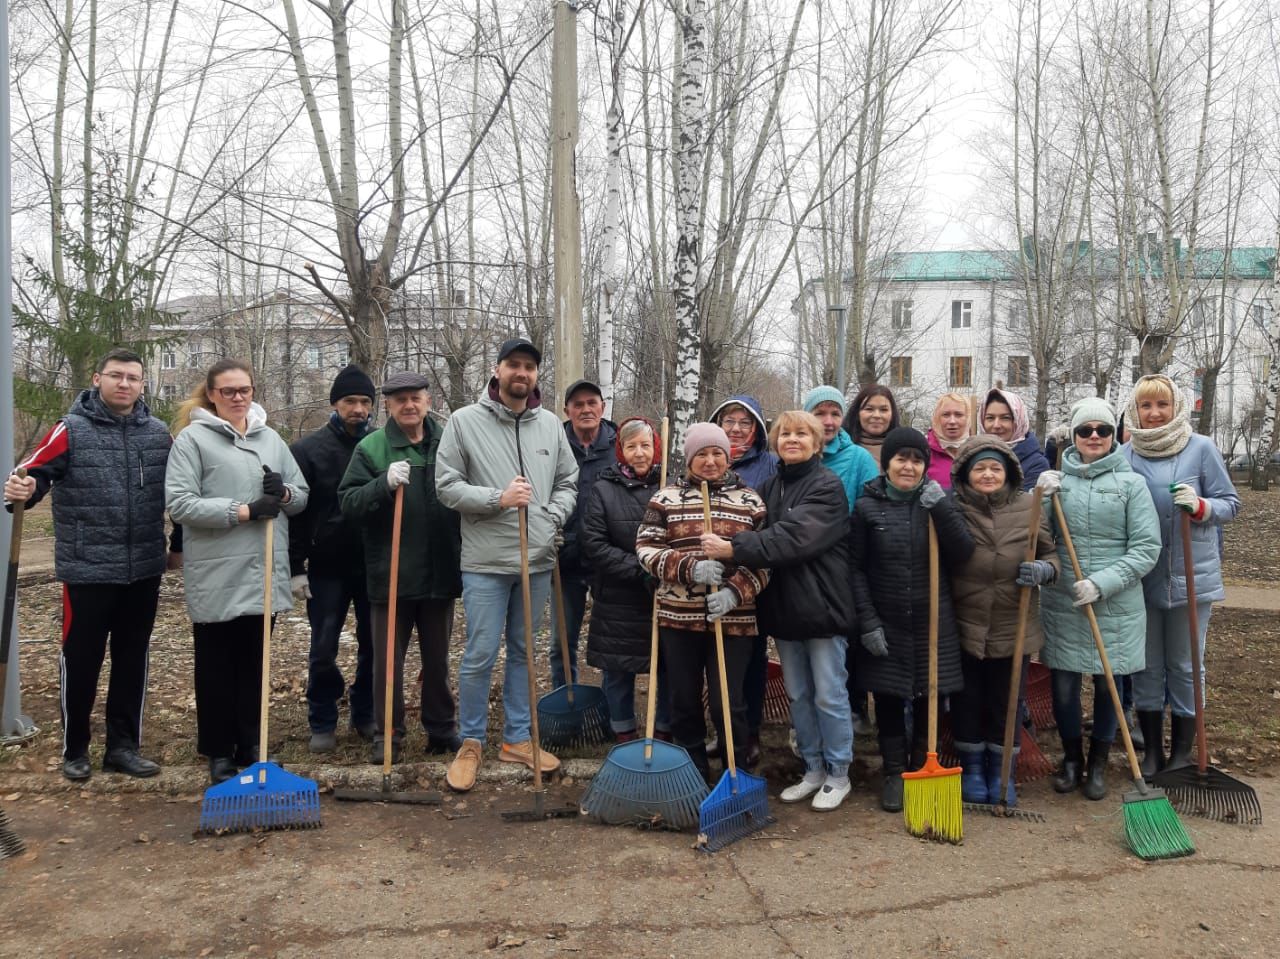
(1068, 776)
(1095, 776)
(893, 750)
(1182, 741)
(699, 756)
(1152, 723)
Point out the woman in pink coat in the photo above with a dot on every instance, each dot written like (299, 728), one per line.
(950, 429)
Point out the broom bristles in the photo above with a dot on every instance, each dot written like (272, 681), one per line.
(931, 804)
(1153, 829)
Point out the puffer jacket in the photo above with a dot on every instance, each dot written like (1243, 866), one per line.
(853, 464)
(592, 461)
(213, 470)
(889, 560)
(321, 540)
(983, 588)
(622, 598)
(1113, 526)
(757, 464)
(1031, 459)
(1200, 466)
(484, 447)
(805, 546)
(940, 461)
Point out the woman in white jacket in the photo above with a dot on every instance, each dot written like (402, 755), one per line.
(228, 469)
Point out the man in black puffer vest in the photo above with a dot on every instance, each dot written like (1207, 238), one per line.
(326, 562)
(105, 461)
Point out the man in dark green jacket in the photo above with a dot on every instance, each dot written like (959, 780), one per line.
(403, 454)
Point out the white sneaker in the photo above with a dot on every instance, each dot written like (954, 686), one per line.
(832, 794)
(805, 788)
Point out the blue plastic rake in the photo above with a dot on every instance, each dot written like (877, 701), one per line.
(263, 796)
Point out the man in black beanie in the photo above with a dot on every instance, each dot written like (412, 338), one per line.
(326, 560)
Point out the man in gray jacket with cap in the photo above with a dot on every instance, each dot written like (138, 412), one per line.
(499, 454)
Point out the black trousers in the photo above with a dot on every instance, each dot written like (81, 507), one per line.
(433, 618)
(228, 676)
(978, 710)
(891, 716)
(95, 616)
(689, 661)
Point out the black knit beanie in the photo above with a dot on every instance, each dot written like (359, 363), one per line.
(351, 381)
(904, 437)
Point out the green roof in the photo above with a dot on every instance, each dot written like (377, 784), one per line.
(1246, 263)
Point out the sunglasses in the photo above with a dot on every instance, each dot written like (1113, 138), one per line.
(231, 392)
(1102, 430)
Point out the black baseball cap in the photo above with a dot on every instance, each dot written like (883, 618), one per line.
(582, 385)
(519, 343)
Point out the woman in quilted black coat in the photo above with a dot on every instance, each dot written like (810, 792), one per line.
(622, 592)
(889, 553)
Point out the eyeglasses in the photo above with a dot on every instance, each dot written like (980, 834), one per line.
(1102, 430)
(235, 392)
(736, 425)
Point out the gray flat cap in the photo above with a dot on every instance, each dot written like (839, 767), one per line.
(404, 380)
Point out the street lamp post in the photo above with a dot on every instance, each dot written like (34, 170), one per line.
(840, 311)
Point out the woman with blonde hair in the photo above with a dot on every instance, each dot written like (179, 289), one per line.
(1184, 473)
(227, 470)
(949, 430)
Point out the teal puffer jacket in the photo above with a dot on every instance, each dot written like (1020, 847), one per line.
(1113, 525)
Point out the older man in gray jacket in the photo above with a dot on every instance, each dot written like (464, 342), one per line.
(499, 454)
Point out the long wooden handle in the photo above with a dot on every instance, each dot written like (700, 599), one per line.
(563, 630)
(1193, 634)
(393, 589)
(269, 557)
(526, 595)
(724, 678)
(1134, 769)
(11, 590)
(651, 698)
(1019, 642)
(933, 637)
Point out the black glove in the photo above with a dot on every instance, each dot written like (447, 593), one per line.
(265, 507)
(272, 483)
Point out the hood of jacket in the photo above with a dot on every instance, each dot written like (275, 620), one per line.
(491, 396)
(761, 440)
(89, 404)
(982, 443)
(257, 420)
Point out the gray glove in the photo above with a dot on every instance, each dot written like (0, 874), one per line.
(1038, 572)
(719, 603)
(875, 643)
(932, 494)
(708, 572)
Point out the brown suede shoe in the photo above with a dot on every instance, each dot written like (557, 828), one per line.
(461, 775)
(523, 753)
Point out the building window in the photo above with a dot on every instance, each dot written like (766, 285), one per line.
(1080, 369)
(899, 371)
(961, 371)
(314, 357)
(901, 314)
(961, 314)
(1017, 316)
(168, 360)
(1019, 371)
(169, 391)
(1256, 311)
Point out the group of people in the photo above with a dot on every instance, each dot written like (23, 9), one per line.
(818, 537)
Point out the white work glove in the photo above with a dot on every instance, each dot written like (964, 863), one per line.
(719, 603)
(1085, 592)
(708, 572)
(398, 474)
(300, 586)
(1061, 435)
(1185, 497)
(932, 494)
(1050, 482)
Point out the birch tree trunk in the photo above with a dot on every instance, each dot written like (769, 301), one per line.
(1266, 436)
(612, 208)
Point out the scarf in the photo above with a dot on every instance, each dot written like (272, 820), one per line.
(737, 452)
(904, 495)
(1160, 442)
(872, 445)
(1021, 421)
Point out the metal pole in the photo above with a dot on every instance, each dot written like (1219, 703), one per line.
(13, 725)
(566, 219)
(842, 334)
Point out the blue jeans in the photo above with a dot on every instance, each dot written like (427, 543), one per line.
(327, 611)
(492, 603)
(575, 604)
(620, 694)
(1169, 661)
(814, 674)
(1067, 710)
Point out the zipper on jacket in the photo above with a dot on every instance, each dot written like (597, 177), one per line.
(128, 542)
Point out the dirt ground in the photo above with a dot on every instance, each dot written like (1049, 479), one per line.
(111, 872)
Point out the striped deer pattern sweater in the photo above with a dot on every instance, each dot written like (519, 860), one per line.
(668, 544)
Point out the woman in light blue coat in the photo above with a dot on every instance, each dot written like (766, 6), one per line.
(1184, 472)
(1113, 526)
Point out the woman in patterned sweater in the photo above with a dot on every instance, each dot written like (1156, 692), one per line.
(694, 591)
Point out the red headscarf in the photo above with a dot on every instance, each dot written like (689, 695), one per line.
(657, 442)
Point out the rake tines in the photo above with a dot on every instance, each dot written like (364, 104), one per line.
(1039, 696)
(1211, 795)
(11, 843)
(737, 807)
(260, 799)
(664, 791)
(580, 719)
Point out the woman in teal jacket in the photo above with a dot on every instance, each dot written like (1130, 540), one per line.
(1113, 526)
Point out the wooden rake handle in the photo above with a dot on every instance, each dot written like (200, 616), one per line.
(724, 678)
(563, 629)
(526, 596)
(934, 586)
(1019, 642)
(651, 698)
(268, 553)
(1193, 636)
(11, 590)
(393, 589)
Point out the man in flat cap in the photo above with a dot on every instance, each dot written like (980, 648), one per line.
(504, 452)
(403, 454)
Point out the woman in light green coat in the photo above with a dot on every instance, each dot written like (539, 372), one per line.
(226, 471)
(1116, 533)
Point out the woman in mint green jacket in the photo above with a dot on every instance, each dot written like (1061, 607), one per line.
(1113, 526)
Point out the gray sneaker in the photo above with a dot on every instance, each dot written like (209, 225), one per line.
(323, 742)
